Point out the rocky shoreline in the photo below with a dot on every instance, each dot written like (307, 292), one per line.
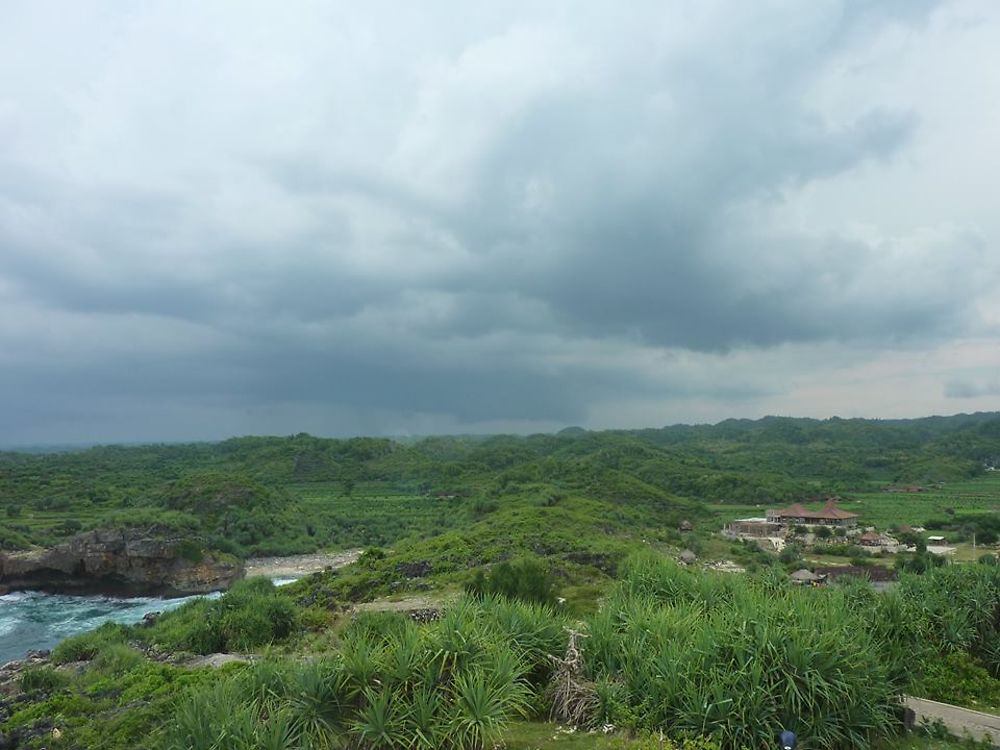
(145, 562)
(135, 562)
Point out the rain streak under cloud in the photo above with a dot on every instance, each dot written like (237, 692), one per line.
(246, 217)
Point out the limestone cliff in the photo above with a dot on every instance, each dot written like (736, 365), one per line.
(127, 561)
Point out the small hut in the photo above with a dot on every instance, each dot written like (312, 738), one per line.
(805, 577)
(870, 538)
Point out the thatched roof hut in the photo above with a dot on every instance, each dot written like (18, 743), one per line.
(804, 576)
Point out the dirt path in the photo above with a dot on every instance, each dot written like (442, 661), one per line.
(960, 721)
(297, 566)
(409, 603)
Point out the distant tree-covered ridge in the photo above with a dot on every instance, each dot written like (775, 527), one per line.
(259, 495)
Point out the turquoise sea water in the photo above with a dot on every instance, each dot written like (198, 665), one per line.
(33, 620)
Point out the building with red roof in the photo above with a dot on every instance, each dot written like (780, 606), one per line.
(829, 515)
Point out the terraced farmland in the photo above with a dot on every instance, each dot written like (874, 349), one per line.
(375, 518)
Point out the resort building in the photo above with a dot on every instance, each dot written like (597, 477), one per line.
(829, 515)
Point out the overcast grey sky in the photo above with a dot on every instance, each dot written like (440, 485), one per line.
(223, 218)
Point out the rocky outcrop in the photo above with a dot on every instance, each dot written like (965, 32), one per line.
(126, 561)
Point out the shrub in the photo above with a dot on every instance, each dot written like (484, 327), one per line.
(187, 628)
(731, 658)
(116, 659)
(13, 539)
(376, 627)
(921, 562)
(69, 526)
(42, 679)
(527, 579)
(251, 614)
(957, 678)
(86, 646)
(455, 683)
(483, 506)
(191, 551)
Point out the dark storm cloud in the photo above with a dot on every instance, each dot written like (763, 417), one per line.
(965, 389)
(513, 218)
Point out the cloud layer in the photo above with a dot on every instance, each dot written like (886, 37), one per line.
(232, 218)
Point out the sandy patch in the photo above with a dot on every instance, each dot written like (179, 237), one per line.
(297, 566)
(406, 603)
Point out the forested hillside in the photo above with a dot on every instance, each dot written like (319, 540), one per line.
(300, 493)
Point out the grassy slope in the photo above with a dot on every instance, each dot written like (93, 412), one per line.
(583, 539)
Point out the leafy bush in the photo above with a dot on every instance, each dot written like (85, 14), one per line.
(13, 539)
(528, 579)
(920, 562)
(253, 613)
(86, 646)
(42, 679)
(957, 678)
(191, 551)
(482, 507)
(115, 659)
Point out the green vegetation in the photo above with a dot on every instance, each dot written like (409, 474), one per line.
(527, 579)
(300, 493)
(252, 614)
(545, 535)
(719, 661)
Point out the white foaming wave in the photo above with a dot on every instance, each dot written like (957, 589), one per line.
(7, 624)
(18, 596)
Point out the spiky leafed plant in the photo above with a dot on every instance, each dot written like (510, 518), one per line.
(210, 717)
(317, 703)
(403, 657)
(425, 719)
(381, 722)
(359, 664)
(192, 728)
(479, 711)
(534, 629)
(266, 678)
(732, 659)
(456, 639)
(277, 729)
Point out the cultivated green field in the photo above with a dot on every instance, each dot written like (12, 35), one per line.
(885, 509)
(378, 518)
